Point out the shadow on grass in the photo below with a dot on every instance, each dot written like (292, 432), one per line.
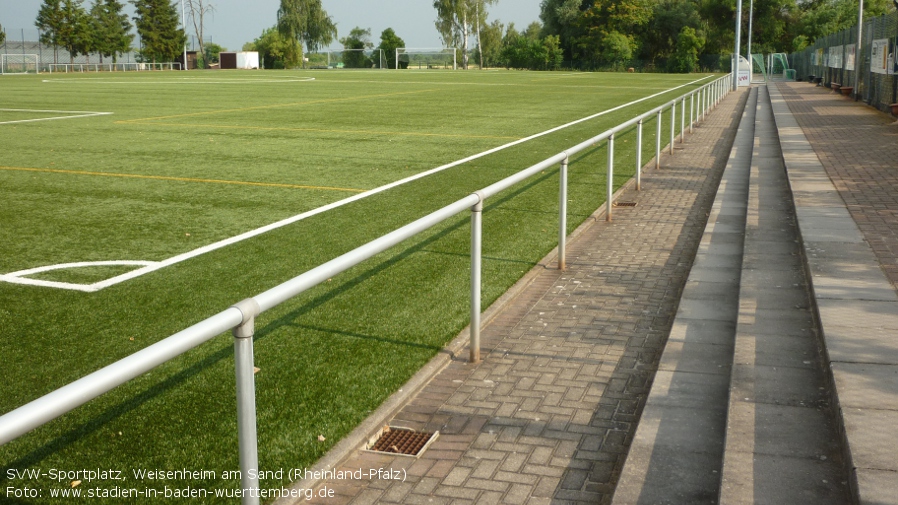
(71, 436)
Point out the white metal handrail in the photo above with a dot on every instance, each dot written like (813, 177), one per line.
(240, 318)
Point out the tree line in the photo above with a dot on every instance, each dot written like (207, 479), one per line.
(667, 35)
(682, 35)
(105, 29)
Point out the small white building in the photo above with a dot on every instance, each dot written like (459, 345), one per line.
(242, 59)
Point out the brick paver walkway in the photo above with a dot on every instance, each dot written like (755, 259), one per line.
(551, 410)
(858, 146)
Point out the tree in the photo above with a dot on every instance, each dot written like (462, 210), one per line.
(389, 42)
(452, 24)
(480, 15)
(157, 23)
(273, 48)
(111, 29)
(559, 17)
(689, 43)
(212, 52)
(2, 35)
(358, 39)
(49, 22)
(304, 21)
(197, 10)
(74, 31)
(490, 45)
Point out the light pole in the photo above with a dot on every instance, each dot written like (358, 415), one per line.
(738, 43)
(751, 15)
(857, 52)
(184, 24)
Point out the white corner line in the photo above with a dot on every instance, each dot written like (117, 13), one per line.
(150, 266)
(73, 114)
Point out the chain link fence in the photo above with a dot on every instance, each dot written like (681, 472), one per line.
(832, 59)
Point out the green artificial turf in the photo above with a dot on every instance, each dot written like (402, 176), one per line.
(186, 160)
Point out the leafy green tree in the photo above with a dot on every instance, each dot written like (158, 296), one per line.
(111, 29)
(534, 31)
(158, 25)
(2, 35)
(559, 17)
(689, 44)
(480, 23)
(389, 42)
(491, 43)
(358, 39)
(304, 22)
(50, 23)
(273, 48)
(74, 31)
(617, 49)
(453, 23)
(212, 52)
(670, 17)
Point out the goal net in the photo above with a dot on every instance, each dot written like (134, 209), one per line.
(439, 57)
(356, 58)
(18, 63)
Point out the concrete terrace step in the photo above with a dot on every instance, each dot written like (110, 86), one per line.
(677, 451)
(858, 315)
(740, 409)
(782, 445)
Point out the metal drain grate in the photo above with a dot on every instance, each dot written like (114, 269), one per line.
(624, 204)
(402, 441)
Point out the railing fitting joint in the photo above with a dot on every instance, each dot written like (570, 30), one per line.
(249, 308)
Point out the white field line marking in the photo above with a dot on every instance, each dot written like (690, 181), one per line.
(153, 266)
(180, 80)
(20, 277)
(75, 114)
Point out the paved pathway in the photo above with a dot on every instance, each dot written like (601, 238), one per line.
(858, 147)
(550, 412)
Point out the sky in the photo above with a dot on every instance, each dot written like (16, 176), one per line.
(236, 22)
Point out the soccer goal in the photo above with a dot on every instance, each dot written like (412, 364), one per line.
(778, 65)
(18, 64)
(439, 57)
(758, 69)
(357, 58)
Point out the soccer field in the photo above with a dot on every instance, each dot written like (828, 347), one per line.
(136, 204)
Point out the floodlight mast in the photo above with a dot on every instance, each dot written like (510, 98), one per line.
(184, 24)
(857, 51)
(738, 44)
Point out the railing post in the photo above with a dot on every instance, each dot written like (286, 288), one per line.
(704, 102)
(476, 251)
(639, 156)
(658, 142)
(562, 216)
(673, 121)
(683, 120)
(691, 112)
(246, 401)
(610, 195)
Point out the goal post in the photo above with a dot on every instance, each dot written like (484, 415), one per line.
(356, 58)
(19, 64)
(427, 57)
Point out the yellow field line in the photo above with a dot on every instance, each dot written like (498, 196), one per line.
(179, 179)
(324, 130)
(274, 106)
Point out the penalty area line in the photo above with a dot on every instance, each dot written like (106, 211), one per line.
(305, 215)
(72, 114)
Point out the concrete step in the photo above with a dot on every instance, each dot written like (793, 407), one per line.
(677, 451)
(782, 444)
(857, 310)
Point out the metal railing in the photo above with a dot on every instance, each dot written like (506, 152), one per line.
(110, 67)
(240, 318)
